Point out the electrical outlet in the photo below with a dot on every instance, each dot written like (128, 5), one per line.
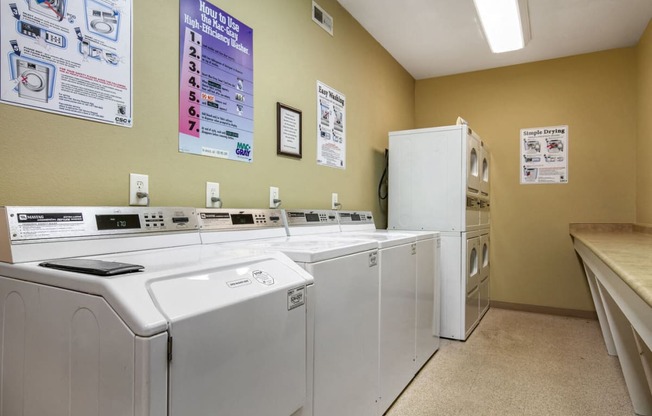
(138, 184)
(212, 191)
(274, 195)
(334, 203)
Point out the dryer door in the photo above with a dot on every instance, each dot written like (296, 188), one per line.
(484, 273)
(238, 339)
(473, 164)
(484, 172)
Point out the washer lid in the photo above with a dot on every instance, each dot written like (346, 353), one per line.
(383, 239)
(189, 295)
(130, 295)
(314, 248)
(419, 235)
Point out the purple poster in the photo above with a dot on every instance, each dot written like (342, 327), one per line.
(216, 83)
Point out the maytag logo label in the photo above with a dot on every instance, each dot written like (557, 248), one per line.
(243, 149)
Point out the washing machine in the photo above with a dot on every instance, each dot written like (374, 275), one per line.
(121, 311)
(102, 22)
(408, 311)
(428, 246)
(33, 80)
(345, 299)
(52, 9)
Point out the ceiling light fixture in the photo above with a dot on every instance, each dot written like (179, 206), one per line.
(505, 23)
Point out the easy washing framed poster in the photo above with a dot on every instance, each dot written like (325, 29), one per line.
(70, 57)
(216, 83)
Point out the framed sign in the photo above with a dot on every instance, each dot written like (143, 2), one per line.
(288, 122)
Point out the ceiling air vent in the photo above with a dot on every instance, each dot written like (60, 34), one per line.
(322, 18)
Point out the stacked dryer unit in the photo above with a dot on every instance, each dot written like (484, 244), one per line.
(193, 330)
(439, 181)
(409, 310)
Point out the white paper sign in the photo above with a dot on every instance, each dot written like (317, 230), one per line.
(331, 127)
(69, 57)
(544, 155)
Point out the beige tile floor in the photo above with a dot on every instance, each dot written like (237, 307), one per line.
(520, 363)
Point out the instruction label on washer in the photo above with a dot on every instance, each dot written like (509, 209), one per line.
(263, 277)
(240, 282)
(71, 57)
(39, 225)
(296, 297)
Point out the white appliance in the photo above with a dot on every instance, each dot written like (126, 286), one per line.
(52, 9)
(345, 379)
(439, 181)
(198, 331)
(409, 315)
(33, 80)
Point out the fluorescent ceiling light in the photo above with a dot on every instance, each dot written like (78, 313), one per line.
(506, 25)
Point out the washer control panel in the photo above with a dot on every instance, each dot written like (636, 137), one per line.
(311, 217)
(355, 217)
(32, 224)
(239, 219)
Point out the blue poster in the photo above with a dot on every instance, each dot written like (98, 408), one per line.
(216, 83)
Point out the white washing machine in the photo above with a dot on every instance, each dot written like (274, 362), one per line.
(409, 314)
(346, 273)
(428, 280)
(52, 9)
(194, 331)
(33, 80)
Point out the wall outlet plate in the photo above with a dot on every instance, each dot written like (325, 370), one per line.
(138, 183)
(212, 191)
(334, 200)
(273, 195)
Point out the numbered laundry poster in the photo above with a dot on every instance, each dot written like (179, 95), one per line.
(544, 155)
(331, 127)
(70, 57)
(216, 83)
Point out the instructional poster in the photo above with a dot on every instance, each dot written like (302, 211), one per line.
(216, 83)
(70, 57)
(544, 155)
(331, 127)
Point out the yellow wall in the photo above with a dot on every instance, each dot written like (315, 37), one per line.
(533, 261)
(644, 148)
(50, 159)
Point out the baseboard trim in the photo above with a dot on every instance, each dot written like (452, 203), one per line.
(575, 313)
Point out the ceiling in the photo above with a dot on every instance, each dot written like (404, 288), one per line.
(432, 38)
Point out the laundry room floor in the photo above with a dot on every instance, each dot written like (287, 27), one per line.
(520, 363)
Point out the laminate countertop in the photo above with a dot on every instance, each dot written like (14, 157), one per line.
(625, 248)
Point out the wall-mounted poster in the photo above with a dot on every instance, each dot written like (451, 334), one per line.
(544, 155)
(70, 57)
(331, 127)
(216, 83)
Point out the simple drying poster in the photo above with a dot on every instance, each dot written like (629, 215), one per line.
(216, 83)
(331, 123)
(544, 155)
(70, 57)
